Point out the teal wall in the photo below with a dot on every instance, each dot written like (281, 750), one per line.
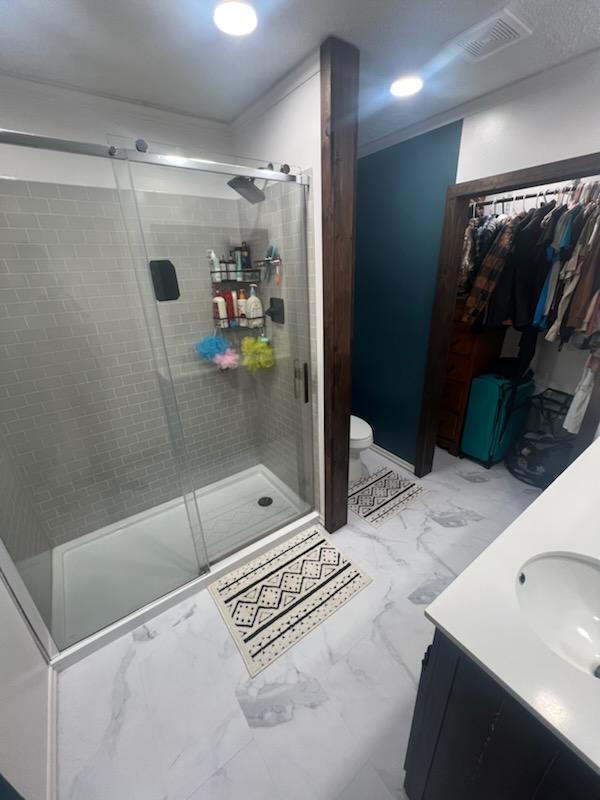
(400, 208)
(7, 792)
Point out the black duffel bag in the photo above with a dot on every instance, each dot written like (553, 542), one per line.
(544, 451)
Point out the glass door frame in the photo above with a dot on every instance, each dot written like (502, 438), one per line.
(15, 585)
(166, 160)
(135, 236)
(9, 574)
(290, 184)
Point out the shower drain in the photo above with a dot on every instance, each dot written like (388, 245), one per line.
(265, 501)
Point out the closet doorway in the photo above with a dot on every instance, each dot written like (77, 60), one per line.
(463, 200)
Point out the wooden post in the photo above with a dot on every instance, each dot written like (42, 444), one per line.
(339, 124)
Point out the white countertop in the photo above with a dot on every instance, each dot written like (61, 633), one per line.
(480, 610)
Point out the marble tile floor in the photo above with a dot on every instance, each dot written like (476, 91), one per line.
(168, 712)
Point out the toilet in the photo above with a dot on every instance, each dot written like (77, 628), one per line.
(361, 437)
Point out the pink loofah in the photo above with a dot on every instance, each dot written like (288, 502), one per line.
(227, 360)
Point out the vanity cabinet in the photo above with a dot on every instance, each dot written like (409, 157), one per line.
(471, 740)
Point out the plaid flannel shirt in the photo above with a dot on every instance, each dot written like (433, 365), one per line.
(489, 273)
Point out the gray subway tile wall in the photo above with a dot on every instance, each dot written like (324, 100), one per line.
(218, 410)
(286, 438)
(81, 406)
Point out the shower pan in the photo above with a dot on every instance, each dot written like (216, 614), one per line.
(129, 467)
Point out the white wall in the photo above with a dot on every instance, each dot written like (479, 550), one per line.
(24, 704)
(66, 114)
(285, 126)
(543, 118)
(552, 116)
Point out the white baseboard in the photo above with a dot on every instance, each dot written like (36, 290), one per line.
(392, 457)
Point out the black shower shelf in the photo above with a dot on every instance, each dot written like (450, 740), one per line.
(265, 262)
(248, 276)
(239, 327)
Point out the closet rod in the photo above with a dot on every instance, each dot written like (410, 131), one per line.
(575, 186)
(513, 198)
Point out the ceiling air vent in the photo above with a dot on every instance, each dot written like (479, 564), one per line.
(492, 35)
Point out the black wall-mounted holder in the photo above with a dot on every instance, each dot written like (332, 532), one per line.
(164, 280)
(276, 310)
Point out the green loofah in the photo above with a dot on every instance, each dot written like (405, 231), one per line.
(257, 354)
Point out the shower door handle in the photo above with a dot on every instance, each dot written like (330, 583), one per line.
(301, 375)
(306, 387)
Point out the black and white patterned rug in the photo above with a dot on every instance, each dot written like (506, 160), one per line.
(380, 495)
(273, 601)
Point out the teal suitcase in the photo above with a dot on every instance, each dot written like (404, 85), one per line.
(496, 417)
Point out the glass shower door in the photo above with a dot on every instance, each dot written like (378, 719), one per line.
(97, 519)
(247, 430)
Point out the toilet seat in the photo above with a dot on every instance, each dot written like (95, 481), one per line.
(361, 433)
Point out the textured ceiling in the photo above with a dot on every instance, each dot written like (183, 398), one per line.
(167, 53)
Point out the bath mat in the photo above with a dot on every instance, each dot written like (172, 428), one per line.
(273, 601)
(380, 495)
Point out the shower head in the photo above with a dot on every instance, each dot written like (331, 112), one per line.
(247, 188)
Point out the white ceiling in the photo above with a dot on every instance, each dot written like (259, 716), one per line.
(167, 53)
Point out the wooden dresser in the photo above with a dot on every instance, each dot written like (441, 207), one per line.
(470, 354)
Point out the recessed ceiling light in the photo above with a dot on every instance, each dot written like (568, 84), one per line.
(404, 87)
(235, 17)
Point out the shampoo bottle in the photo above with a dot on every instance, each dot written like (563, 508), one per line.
(241, 304)
(231, 268)
(246, 257)
(254, 309)
(215, 266)
(234, 299)
(220, 312)
(238, 263)
(223, 268)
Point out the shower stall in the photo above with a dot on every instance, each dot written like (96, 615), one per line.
(130, 467)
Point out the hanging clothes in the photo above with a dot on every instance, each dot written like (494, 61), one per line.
(539, 271)
(499, 311)
(483, 237)
(571, 271)
(467, 261)
(522, 280)
(583, 394)
(587, 329)
(585, 287)
(539, 318)
(552, 266)
(560, 243)
(531, 268)
(490, 271)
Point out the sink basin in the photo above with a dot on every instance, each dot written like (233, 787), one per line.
(559, 595)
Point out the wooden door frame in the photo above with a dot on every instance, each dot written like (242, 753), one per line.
(339, 127)
(455, 219)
